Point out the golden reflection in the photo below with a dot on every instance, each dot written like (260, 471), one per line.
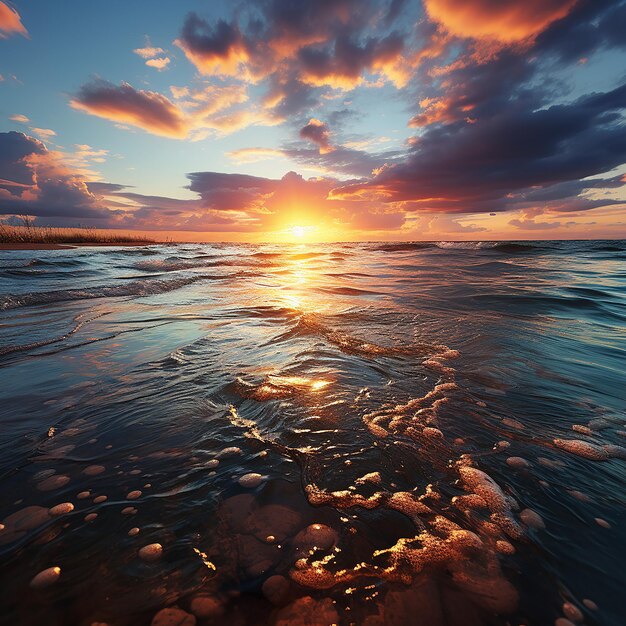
(297, 279)
(298, 381)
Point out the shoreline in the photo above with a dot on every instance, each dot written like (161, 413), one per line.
(70, 246)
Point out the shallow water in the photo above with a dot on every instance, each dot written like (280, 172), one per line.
(414, 401)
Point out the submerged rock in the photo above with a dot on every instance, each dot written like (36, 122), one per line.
(532, 519)
(151, 553)
(173, 617)
(53, 482)
(19, 523)
(46, 577)
(61, 509)
(250, 480)
(316, 536)
(276, 589)
(206, 607)
(308, 612)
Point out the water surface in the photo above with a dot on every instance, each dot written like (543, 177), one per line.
(352, 433)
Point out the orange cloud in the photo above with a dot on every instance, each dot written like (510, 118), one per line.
(506, 21)
(148, 52)
(18, 117)
(318, 133)
(252, 155)
(160, 63)
(10, 22)
(219, 50)
(125, 104)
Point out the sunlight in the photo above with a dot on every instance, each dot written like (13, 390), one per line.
(299, 231)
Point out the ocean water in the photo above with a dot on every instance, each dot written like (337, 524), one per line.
(428, 433)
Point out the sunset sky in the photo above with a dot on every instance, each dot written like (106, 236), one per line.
(316, 119)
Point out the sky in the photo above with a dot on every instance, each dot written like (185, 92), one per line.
(316, 120)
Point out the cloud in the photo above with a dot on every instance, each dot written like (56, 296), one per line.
(318, 133)
(153, 56)
(343, 64)
(506, 21)
(18, 117)
(160, 63)
(10, 22)
(195, 114)
(125, 104)
(299, 48)
(36, 181)
(214, 50)
(149, 52)
(494, 163)
(252, 155)
(43, 133)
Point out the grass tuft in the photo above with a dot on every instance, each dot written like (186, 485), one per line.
(29, 233)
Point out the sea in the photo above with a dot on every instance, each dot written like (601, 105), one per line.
(426, 433)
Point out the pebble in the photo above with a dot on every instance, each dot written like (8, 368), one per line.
(94, 470)
(562, 621)
(206, 607)
(99, 499)
(83, 495)
(133, 495)
(517, 462)
(306, 610)
(590, 604)
(316, 536)
(42, 474)
(129, 510)
(173, 617)
(53, 482)
(276, 589)
(46, 578)
(228, 452)
(504, 547)
(61, 509)
(133, 531)
(532, 519)
(602, 522)
(135, 472)
(250, 480)
(212, 463)
(151, 553)
(91, 517)
(579, 495)
(572, 612)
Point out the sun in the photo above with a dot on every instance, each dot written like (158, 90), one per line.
(298, 231)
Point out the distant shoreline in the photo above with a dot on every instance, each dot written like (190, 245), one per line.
(69, 246)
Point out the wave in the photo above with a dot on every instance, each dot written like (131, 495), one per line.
(350, 291)
(404, 246)
(138, 288)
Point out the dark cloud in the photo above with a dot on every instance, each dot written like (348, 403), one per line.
(14, 170)
(318, 133)
(469, 167)
(35, 181)
(592, 25)
(343, 63)
(214, 49)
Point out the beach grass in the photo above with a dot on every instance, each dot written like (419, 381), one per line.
(29, 233)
